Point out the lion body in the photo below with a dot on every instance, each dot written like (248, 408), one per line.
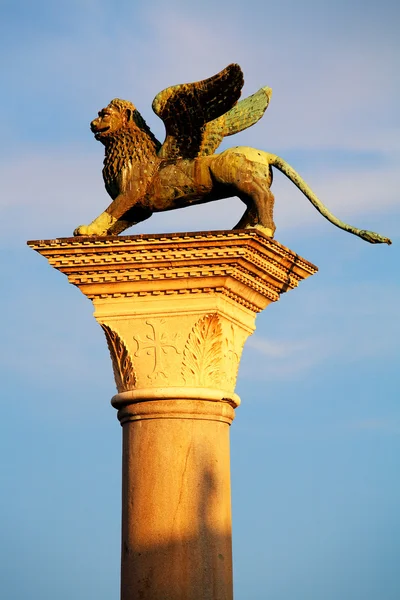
(206, 178)
(167, 185)
(142, 182)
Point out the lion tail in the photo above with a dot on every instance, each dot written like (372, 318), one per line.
(286, 169)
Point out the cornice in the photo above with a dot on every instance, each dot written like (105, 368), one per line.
(178, 263)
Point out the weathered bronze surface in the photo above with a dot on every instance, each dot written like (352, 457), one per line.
(142, 176)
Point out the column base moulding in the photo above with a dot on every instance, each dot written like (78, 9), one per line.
(203, 410)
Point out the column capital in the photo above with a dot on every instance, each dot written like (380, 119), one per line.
(177, 308)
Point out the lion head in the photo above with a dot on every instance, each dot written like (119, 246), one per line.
(127, 139)
(117, 116)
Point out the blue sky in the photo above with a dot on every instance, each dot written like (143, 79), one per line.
(316, 441)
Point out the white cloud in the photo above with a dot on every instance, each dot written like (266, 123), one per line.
(344, 94)
(349, 323)
(291, 358)
(341, 95)
(378, 425)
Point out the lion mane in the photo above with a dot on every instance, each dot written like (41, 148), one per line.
(129, 141)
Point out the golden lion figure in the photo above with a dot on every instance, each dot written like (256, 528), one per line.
(142, 176)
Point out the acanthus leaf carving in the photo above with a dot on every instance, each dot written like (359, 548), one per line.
(124, 372)
(233, 352)
(202, 355)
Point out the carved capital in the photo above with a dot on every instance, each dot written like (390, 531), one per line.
(177, 309)
(183, 348)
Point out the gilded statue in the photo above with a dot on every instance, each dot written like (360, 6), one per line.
(143, 176)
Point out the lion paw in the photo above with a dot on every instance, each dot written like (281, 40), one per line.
(265, 230)
(83, 230)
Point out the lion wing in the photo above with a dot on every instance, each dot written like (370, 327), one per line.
(187, 109)
(245, 114)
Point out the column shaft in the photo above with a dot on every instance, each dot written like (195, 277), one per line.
(176, 501)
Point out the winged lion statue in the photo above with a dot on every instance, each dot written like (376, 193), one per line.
(143, 176)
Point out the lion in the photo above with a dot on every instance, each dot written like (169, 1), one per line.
(143, 177)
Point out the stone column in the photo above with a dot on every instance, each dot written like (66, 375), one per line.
(176, 311)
